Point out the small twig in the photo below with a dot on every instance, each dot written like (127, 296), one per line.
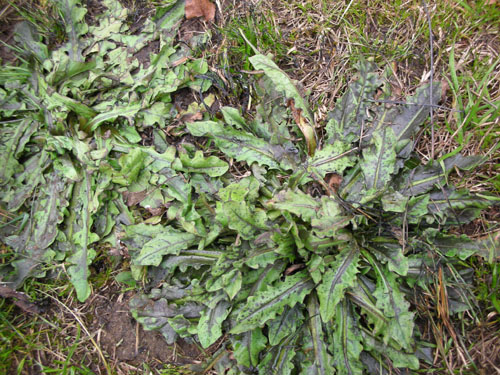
(344, 13)
(252, 71)
(419, 104)
(335, 157)
(136, 338)
(431, 42)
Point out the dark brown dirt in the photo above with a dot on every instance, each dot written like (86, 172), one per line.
(8, 20)
(124, 340)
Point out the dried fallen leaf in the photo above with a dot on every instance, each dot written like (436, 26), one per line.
(20, 299)
(293, 268)
(334, 180)
(191, 117)
(134, 198)
(200, 8)
(304, 126)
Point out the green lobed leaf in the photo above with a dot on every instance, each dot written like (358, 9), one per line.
(128, 112)
(169, 242)
(332, 158)
(32, 245)
(296, 202)
(284, 325)
(330, 218)
(13, 138)
(379, 159)
(210, 324)
(279, 359)
(244, 219)
(80, 235)
(360, 295)
(347, 343)
(248, 348)
(338, 276)
(322, 358)
(240, 145)
(392, 302)
(212, 166)
(389, 252)
(154, 311)
(74, 19)
(381, 351)
(27, 181)
(266, 304)
(131, 165)
(461, 246)
(351, 110)
(281, 81)
(245, 189)
(190, 258)
(261, 257)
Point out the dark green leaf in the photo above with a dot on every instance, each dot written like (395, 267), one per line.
(457, 207)
(27, 181)
(461, 246)
(245, 220)
(74, 19)
(265, 305)
(281, 82)
(405, 120)
(32, 245)
(392, 302)
(210, 323)
(347, 344)
(246, 350)
(351, 111)
(424, 177)
(380, 351)
(278, 360)
(13, 138)
(322, 359)
(80, 223)
(285, 325)
(28, 37)
(296, 202)
(389, 252)
(212, 166)
(170, 241)
(240, 145)
(338, 276)
(379, 159)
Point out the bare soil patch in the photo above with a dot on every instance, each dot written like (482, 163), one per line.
(126, 342)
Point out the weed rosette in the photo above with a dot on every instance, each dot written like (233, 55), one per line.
(277, 250)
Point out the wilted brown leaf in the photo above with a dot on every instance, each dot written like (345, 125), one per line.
(293, 268)
(304, 126)
(191, 117)
(20, 299)
(334, 180)
(200, 8)
(134, 198)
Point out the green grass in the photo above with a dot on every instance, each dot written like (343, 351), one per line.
(43, 15)
(28, 341)
(396, 35)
